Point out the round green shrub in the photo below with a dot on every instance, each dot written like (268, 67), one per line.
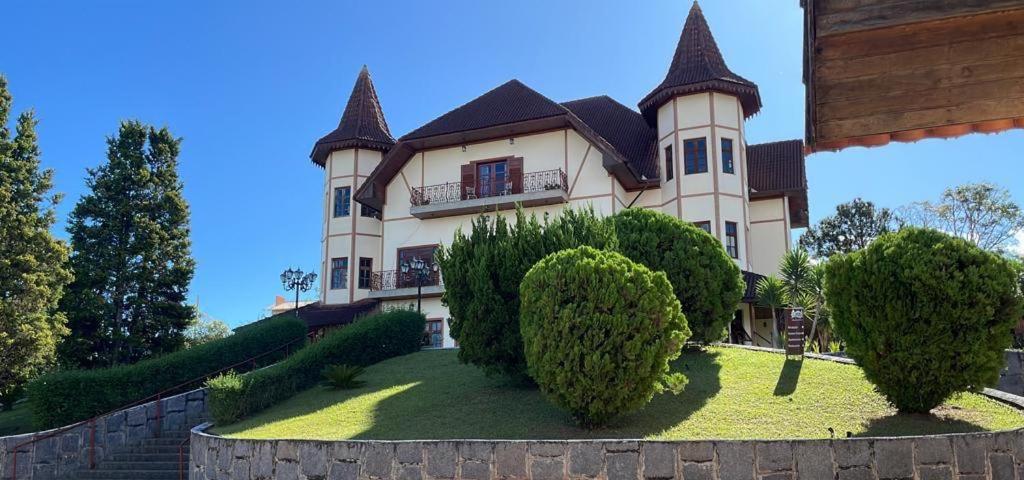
(925, 314)
(599, 331)
(706, 281)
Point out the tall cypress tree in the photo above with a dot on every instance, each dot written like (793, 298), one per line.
(130, 254)
(33, 264)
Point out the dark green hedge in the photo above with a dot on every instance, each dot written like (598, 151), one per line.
(925, 314)
(61, 398)
(368, 341)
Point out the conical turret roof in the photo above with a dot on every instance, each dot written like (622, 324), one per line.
(698, 66)
(362, 124)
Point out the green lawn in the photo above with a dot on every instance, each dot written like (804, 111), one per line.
(732, 393)
(18, 420)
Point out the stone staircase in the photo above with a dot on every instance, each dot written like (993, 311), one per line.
(151, 459)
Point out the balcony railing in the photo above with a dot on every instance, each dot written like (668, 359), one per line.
(454, 192)
(395, 279)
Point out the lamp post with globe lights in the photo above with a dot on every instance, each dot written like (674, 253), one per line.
(422, 272)
(296, 279)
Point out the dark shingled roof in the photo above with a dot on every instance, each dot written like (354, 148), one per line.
(777, 168)
(316, 315)
(697, 67)
(362, 125)
(510, 102)
(750, 280)
(623, 128)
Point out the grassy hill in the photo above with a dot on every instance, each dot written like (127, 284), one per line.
(732, 393)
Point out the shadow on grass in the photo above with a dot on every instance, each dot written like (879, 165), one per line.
(788, 377)
(908, 424)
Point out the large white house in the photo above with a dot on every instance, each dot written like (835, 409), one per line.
(389, 202)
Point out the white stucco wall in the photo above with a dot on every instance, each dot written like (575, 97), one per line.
(769, 233)
(347, 168)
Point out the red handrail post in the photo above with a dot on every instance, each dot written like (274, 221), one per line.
(159, 412)
(14, 464)
(92, 444)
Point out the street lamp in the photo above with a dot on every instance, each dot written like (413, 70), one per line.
(422, 272)
(299, 281)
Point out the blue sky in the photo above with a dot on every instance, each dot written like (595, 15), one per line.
(251, 85)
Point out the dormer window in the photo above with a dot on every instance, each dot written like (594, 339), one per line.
(695, 155)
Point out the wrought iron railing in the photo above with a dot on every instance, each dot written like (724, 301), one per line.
(455, 191)
(395, 279)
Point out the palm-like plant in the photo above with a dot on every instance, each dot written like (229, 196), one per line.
(796, 270)
(772, 293)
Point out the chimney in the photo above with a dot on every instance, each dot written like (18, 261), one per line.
(278, 300)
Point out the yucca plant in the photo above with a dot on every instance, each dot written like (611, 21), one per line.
(772, 293)
(343, 376)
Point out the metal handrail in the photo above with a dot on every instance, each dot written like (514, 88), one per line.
(394, 279)
(451, 192)
(157, 397)
(181, 457)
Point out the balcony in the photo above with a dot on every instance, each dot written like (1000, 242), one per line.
(546, 187)
(393, 284)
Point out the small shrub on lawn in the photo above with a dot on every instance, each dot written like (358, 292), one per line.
(707, 283)
(65, 397)
(342, 376)
(599, 331)
(365, 342)
(925, 314)
(483, 269)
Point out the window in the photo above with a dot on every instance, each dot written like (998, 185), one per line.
(695, 153)
(369, 212)
(670, 172)
(492, 179)
(706, 226)
(731, 243)
(727, 166)
(339, 273)
(365, 272)
(435, 333)
(342, 201)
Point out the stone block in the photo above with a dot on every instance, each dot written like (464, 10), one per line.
(696, 451)
(586, 459)
(377, 460)
(286, 470)
(346, 451)
(409, 472)
(115, 422)
(852, 453)
(813, 460)
(699, 471)
(777, 476)
(622, 446)
(933, 450)
(547, 449)
(243, 448)
(774, 457)
(71, 442)
(313, 459)
(858, 473)
(240, 468)
(510, 460)
(345, 471)
(894, 459)
(224, 456)
(547, 468)
(479, 451)
(44, 472)
(735, 460)
(474, 470)
(287, 450)
(174, 404)
(409, 452)
(970, 451)
(659, 460)
(262, 463)
(1001, 466)
(622, 465)
(442, 459)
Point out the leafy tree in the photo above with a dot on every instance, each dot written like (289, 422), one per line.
(33, 270)
(981, 213)
(483, 270)
(772, 293)
(925, 314)
(599, 331)
(205, 329)
(854, 225)
(130, 254)
(706, 281)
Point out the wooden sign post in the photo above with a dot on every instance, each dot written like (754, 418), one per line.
(795, 331)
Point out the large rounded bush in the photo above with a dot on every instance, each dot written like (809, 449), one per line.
(925, 314)
(599, 331)
(706, 281)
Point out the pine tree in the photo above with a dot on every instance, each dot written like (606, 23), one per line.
(130, 254)
(33, 264)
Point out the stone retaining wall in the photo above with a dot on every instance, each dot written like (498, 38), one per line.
(62, 455)
(976, 456)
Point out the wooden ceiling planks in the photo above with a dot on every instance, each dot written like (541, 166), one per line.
(902, 70)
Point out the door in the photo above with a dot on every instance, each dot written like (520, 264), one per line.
(492, 178)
